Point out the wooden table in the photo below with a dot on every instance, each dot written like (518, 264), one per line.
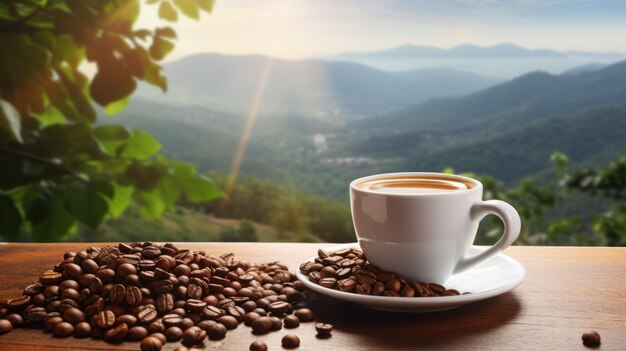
(567, 291)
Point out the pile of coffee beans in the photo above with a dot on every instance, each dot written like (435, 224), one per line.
(348, 270)
(157, 294)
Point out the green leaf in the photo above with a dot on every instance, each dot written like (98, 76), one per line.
(170, 191)
(10, 121)
(10, 218)
(188, 7)
(116, 106)
(200, 189)
(150, 203)
(113, 82)
(50, 220)
(141, 145)
(167, 12)
(166, 32)
(160, 47)
(76, 93)
(121, 199)
(111, 137)
(206, 5)
(86, 204)
(197, 188)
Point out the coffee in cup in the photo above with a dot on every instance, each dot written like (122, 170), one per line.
(421, 225)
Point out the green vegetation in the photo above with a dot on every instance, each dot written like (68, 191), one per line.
(265, 211)
(57, 168)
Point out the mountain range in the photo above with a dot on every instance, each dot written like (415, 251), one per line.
(517, 123)
(507, 130)
(503, 60)
(335, 91)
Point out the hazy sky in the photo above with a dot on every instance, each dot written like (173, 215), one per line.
(314, 28)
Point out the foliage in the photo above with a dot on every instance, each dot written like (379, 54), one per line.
(57, 168)
(535, 200)
(247, 232)
(290, 212)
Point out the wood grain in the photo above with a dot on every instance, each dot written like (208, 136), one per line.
(567, 291)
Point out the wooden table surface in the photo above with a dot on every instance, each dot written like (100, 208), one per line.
(567, 290)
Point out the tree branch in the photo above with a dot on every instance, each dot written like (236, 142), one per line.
(30, 157)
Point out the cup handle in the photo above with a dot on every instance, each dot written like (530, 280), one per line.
(512, 226)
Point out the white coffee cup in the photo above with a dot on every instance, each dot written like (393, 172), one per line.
(425, 235)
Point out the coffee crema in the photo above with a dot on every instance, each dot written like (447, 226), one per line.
(415, 185)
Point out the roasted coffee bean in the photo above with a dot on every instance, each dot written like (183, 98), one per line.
(290, 341)
(187, 323)
(117, 294)
(591, 339)
(73, 315)
(82, 330)
(5, 326)
(291, 322)
(128, 319)
(151, 344)
(151, 252)
(15, 319)
(304, 314)
(105, 319)
(236, 311)
(137, 333)
(173, 333)
(165, 302)
(347, 285)
(157, 326)
(50, 277)
(172, 319)
(162, 286)
(225, 303)
(164, 264)
(328, 272)
(147, 315)
(63, 329)
(211, 312)
(323, 329)
(50, 322)
(258, 346)
(280, 307)
(118, 333)
(125, 248)
(216, 331)
(133, 296)
(407, 291)
(180, 311)
(249, 317)
(107, 275)
(35, 314)
(50, 291)
(328, 282)
(261, 325)
(33, 289)
(393, 284)
(229, 322)
(195, 305)
(277, 324)
(363, 289)
(159, 336)
(18, 303)
(205, 324)
(249, 306)
(73, 270)
(437, 288)
(194, 336)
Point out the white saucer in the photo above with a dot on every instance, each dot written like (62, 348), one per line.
(493, 277)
